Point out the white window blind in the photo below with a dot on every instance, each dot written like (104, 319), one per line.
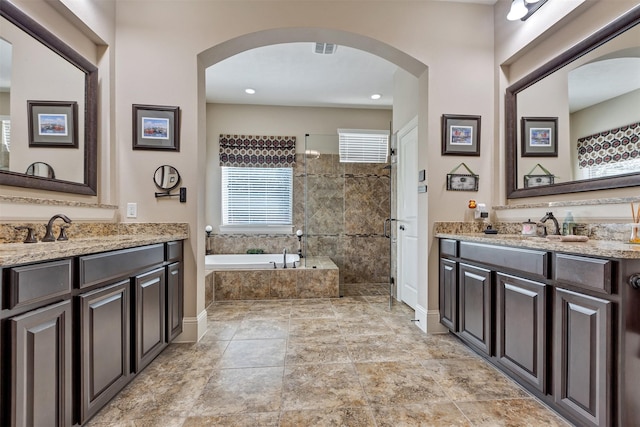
(614, 168)
(257, 196)
(363, 146)
(6, 133)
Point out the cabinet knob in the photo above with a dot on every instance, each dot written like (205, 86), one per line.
(634, 281)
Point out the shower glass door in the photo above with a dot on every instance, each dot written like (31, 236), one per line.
(346, 205)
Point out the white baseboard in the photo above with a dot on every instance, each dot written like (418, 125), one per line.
(433, 323)
(193, 328)
(421, 317)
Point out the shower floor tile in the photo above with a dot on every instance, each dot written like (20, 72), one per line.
(348, 361)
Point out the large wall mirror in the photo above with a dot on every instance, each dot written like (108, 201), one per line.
(37, 66)
(574, 124)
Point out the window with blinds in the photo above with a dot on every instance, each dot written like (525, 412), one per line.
(363, 146)
(257, 196)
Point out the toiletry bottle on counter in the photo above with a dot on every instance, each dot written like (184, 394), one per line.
(567, 224)
(529, 228)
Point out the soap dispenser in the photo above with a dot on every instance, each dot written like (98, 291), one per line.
(568, 224)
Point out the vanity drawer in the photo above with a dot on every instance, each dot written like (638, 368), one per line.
(106, 266)
(38, 282)
(530, 261)
(591, 273)
(173, 251)
(449, 247)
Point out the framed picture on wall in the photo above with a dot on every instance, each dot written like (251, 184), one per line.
(539, 136)
(53, 124)
(156, 127)
(460, 135)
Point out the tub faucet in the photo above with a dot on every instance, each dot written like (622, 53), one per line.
(48, 235)
(284, 255)
(549, 216)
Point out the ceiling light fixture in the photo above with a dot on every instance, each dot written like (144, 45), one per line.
(523, 9)
(376, 96)
(250, 91)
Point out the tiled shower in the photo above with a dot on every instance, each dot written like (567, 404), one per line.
(345, 208)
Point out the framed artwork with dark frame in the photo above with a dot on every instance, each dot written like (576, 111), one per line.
(460, 135)
(156, 127)
(53, 124)
(539, 136)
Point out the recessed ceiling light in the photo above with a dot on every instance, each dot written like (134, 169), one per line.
(250, 91)
(376, 96)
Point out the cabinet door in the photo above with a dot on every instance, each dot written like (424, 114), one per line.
(174, 300)
(475, 295)
(521, 325)
(582, 357)
(104, 348)
(41, 363)
(449, 294)
(150, 327)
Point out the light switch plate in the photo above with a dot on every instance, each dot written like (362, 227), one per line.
(132, 210)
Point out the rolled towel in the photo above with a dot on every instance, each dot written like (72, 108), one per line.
(568, 238)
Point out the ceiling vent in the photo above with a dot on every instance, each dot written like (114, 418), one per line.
(325, 48)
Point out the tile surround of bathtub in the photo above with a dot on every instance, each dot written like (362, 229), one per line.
(316, 278)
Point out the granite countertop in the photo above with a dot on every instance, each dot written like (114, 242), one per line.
(602, 248)
(24, 253)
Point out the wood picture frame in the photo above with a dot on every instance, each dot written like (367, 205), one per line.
(460, 135)
(156, 127)
(539, 136)
(53, 124)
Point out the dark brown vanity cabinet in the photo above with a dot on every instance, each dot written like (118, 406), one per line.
(582, 359)
(449, 294)
(175, 289)
(150, 336)
(75, 331)
(37, 344)
(475, 299)
(104, 345)
(41, 365)
(521, 328)
(565, 326)
(175, 304)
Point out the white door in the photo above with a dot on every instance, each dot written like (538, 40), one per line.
(408, 214)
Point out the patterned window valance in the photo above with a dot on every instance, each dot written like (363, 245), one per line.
(257, 151)
(613, 145)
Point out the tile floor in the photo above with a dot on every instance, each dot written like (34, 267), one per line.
(321, 362)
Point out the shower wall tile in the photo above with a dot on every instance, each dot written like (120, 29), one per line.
(326, 164)
(240, 243)
(367, 259)
(366, 204)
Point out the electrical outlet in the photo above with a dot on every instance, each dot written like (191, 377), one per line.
(132, 210)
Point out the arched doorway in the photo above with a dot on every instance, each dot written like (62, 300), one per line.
(240, 44)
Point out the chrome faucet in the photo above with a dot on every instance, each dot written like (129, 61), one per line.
(549, 216)
(48, 235)
(284, 263)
